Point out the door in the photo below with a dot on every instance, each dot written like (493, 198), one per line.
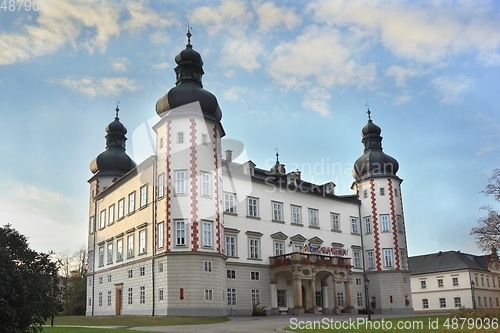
(118, 301)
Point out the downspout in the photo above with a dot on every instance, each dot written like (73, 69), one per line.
(367, 301)
(155, 236)
(93, 254)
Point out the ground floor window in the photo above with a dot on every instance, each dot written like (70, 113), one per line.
(458, 302)
(340, 297)
(209, 293)
(442, 302)
(255, 296)
(359, 299)
(319, 298)
(425, 303)
(282, 297)
(231, 296)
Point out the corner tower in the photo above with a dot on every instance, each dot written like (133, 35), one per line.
(386, 257)
(188, 154)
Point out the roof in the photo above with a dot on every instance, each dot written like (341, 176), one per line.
(446, 261)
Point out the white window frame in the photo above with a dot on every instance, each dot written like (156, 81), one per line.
(368, 224)
(206, 184)
(255, 275)
(142, 295)
(160, 235)
(357, 259)
(119, 249)
(207, 266)
(180, 182)
(102, 219)
(335, 221)
(142, 271)
(388, 258)
(204, 139)
(121, 208)
(144, 195)
(296, 214)
(382, 191)
(207, 233)
(354, 225)
(111, 214)
(180, 233)
(109, 254)
(253, 207)
(279, 248)
(313, 217)
(425, 303)
(142, 241)
(370, 259)
(208, 294)
(255, 296)
(160, 295)
(254, 248)
(180, 137)
(130, 246)
(130, 298)
(131, 202)
(101, 255)
(401, 227)
(231, 246)
(230, 202)
(423, 284)
(161, 186)
(402, 254)
(277, 211)
(231, 296)
(442, 302)
(384, 223)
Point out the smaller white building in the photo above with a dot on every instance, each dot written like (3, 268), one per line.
(446, 281)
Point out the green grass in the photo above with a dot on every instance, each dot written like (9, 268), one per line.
(86, 330)
(389, 325)
(128, 321)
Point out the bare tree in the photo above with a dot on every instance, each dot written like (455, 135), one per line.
(488, 232)
(73, 270)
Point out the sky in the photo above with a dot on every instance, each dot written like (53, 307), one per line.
(296, 76)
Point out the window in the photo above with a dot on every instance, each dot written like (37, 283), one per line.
(207, 266)
(455, 281)
(396, 192)
(142, 271)
(279, 248)
(160, 234)
(313, 218)
(440, 283)
(335, 221)
(365, 194)
(425, 303)
(206, 184)
(207, 233)
(121, 208)
(111, 214)
(101, 255)
(110, 253)
(318, 298)
(229, 203)
(102, 219)
(100, 298)
(180, 233)
(482, 281)
(161, 143)
(231, 274)
(254, 275)
(109, 278)
(231, 246)
(358, 281)
(130, 295)
(119, 249)
(488, 282)
(255, 296)
(297, 247)
(282, 297)
(382, 191)
(479, 301)
(457, 301)
(180, 182)
(423, 284)
(402, 254)
(109, 298)
(340, 299)
(161, 185)
(442, 302)
(354, 225)
(405, 279)
(144, 195)
(90, 301)
(253, 207)
(384, 223)
(142, 241)
(491, 302)
(401, 227)
(204, 139)
(160, 267)
(160, 294)
(277, 211)
(388, 257)
(130, 246)
(359, 299)
(357, 259)
(370, 259)
(130, 273)
(142, 295)
(209, 294)
(131, 202)
(296, 214)
(92, 224)
(254, 248)
(231, 296)
(100, 279)
(180, 137)
(368, 224)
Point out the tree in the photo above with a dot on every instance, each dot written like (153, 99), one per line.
(488, 232)
(73, 270)
(28, 284)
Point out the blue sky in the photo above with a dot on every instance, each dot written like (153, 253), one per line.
(295, 75)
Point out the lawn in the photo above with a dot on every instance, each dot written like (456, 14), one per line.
(86, 330)
(420, 324)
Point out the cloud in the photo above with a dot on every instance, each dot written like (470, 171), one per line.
(318, 56)
(80, 23)
(120, 64)
(159, 37)
(451, 89)
(401, 74)
(271, 16)
(161, 65)
(242, 52)
(316, 99)
(104, 86)
(232, 93)
(231, 16)
(484, 150)
(419, 31)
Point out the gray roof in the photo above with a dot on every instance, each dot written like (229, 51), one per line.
(446, 261)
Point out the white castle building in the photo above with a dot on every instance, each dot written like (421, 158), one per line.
(191, 232)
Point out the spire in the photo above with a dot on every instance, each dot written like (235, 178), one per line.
(277, 156)
(368, 112)
(117, 110)
(189, 28)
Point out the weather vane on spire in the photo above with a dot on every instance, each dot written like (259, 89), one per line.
(369, 112)
(117, 109)
(189, 32)
(277, 155)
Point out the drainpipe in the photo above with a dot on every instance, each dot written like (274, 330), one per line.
(155, 235)
(93, 253)
(365, 278)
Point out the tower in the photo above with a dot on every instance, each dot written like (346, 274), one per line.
(189, 191)
(385, 249)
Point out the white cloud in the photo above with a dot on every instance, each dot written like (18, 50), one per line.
(318, 57)
(401, 74)
(420, 31)
(120, 64)
(159, 37)
(271, 16)
(231, 16)
(484, 150)
(242, 52)
(104, 86)
(316, 99)
(142, 17)
(404, 98)
(451, 89)
(232, 93)
(161, 65)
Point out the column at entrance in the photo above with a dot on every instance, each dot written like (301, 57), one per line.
(297, 296)
(274, 297)
(324, 292)
(348, 295)
(313, 295)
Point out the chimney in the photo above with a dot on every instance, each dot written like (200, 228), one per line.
(229, 155)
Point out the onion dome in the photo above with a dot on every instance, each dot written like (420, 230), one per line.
(188, 87)
(374, 161)
(114, 161)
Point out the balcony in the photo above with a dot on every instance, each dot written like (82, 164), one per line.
(309, 259)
